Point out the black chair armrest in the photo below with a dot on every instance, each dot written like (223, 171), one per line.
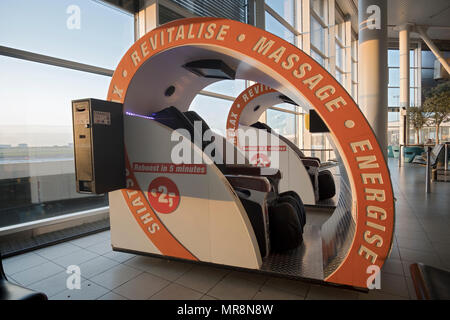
(311, 163)
(249, 182)
(312, 158)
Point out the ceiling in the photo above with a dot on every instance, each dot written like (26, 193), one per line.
(423, 12)
(431, 13)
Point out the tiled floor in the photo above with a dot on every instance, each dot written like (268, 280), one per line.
(422, 234)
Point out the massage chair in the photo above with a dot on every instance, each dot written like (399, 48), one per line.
(277, 218)
(322, 179)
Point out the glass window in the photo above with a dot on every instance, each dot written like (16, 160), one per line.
(393, 58)
(394, 77)
(340, 31)
(320, 7)
(317, 57)
(355, 91)
(317, 35)
(317, 141)
(412, 63)
(285, 8)
(354, 71)
(37, 177)
(36, 101)
(393, 128)
(393, 116)
(213, 110)
(355, 49)
(287, 106)
(283, 123)
(227, 87)
(101, 38)
(427, 74)
(339, 56)
(445, 133)
(412, 97)
(412, 79)
(393, 97)
(275, 27)
(428, 59)
(339, 76)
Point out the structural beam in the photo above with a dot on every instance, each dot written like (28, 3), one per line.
(423, 34)
(40, 58)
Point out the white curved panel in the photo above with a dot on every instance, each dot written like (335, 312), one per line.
(209, 219)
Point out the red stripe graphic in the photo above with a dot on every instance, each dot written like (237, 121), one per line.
(148, 220)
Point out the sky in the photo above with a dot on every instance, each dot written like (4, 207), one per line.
(35, 99)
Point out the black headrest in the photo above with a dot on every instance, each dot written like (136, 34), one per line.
(174, 119)
(194, 116)
(263, 126)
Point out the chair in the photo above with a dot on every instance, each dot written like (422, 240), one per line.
(437, 155)
(247, 182)
(396, 151)
(10, 291)
(410, 153)
(390, 152)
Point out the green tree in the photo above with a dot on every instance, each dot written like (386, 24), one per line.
(437, 106)
(417, 117)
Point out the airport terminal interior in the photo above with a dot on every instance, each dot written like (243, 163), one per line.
(299, 222)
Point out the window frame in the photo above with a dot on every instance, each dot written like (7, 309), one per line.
(49, 60)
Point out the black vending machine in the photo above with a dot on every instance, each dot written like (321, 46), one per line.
(98, 133)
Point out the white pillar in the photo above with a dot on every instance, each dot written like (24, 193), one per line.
(404, 82)
(372, 66)
(348, 54)
(418, 74)
(306, 26)
(306, 47)
(330, 45)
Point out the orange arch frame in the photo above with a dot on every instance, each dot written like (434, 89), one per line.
(239, 105)
(368, 172)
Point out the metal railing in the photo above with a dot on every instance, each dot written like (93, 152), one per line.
(446, 146)
(428, 171)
